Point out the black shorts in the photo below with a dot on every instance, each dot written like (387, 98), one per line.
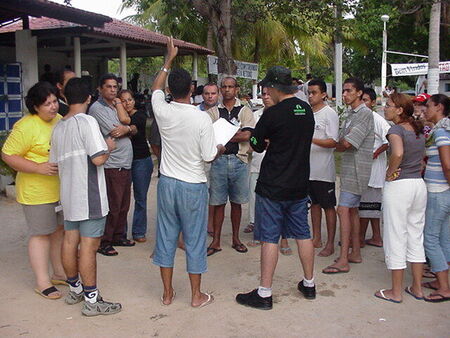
(322, 193)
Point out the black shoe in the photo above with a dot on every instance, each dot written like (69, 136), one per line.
(309, 292)
(252, 299)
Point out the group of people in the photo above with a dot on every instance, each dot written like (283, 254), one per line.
(77, 170)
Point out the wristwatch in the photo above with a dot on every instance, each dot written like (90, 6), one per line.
(164, 69)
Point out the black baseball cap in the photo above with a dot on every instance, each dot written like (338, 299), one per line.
(280, 78)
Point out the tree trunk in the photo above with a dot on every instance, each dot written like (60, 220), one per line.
(210, 38)
(433, 48)
(256, 55)
(218, 13)
(308, 68)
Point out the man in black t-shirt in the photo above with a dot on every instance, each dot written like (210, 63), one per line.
(285, 131)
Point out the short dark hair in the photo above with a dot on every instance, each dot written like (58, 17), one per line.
(210, 84)
(229, 78)
(125, 91)
(76, 91)
(179, 83)
(320, 83)
(371, 92)
(105, 77)
(38, 94)
(441, 99)
(357, 83)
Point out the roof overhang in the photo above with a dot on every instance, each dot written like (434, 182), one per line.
(11, 10)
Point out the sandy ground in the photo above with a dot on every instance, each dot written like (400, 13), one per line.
(345, 306)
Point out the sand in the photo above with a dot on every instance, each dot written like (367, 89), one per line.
(345, 305)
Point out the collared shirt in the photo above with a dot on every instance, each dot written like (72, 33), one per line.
(241, 116)
(107, 119)
(356, 164)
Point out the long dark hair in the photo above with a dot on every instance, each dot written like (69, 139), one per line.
(441, 99)
(405, 102)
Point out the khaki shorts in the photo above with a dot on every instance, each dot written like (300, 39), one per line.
(42, 219)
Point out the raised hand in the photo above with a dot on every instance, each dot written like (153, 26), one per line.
(172, 51)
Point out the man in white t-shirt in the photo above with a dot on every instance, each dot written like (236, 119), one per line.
(322, 175)
(370, 206)
(187, 142)
(78, 147)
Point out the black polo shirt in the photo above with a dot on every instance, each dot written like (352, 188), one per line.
(289, 126)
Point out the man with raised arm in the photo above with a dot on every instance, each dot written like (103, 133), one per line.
(187, 142)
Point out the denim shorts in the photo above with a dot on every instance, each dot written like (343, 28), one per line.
(228, 179)
(276, 218)
(349, 199)
(88, 228)
(182, 207)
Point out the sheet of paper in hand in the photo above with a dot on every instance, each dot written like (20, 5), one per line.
(224, 131)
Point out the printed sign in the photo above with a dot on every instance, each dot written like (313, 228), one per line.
(408, 69)
(246, 70)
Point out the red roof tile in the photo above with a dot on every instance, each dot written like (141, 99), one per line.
(115, 28)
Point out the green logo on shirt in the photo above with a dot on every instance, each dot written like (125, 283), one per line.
(253, 140)
(299, 110)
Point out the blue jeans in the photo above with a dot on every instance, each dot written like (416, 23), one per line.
(182, 207)
(141, 174)
(228, 179)
(437, 232)
(273, 219)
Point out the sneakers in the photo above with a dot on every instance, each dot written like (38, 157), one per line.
(309, 292)
(254, 300)
(100, 307)
(74, 298)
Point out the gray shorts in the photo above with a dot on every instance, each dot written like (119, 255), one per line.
(349, 199)
(42, 219)
(370, 205)
(88, 228)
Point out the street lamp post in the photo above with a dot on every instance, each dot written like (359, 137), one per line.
(385, 19)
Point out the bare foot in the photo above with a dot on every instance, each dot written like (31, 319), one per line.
(354, 258)
(317, 243)
(327, 251)
(431, 285)
(168, 298)
(362, 244)
(373, 242)
(202, 300)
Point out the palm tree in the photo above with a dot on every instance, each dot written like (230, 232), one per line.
(433, 48)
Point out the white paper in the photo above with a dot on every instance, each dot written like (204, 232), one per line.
(224, 131)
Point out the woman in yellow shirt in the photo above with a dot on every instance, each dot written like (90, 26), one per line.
(26, 150)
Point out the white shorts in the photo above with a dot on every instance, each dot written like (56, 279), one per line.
(404, 204)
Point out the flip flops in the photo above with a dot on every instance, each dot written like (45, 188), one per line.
(441, 298)
(59, 282)
(334, 270)
(241, 248)
(428, 285)
(46, 293)
(409, 292)
(206, 302)
(171, 301)
(286, 251)
(107, 251)
(124, 242)
(211, 251)
(383, 297)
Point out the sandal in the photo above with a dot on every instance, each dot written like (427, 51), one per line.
(107, 251)
(286, 251)
(249, 228)
(46, 293)
(124, 242)
(241, 248)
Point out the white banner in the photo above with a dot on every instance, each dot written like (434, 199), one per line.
(413, 69)
(246, 70)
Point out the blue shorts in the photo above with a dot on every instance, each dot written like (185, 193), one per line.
(228, 178)
(349, 199)
(182, 207)
(88, 228)
(276, 218)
